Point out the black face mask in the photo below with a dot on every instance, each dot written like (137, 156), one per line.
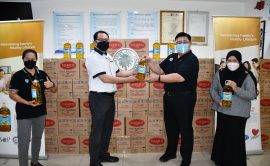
(103, 46)
(30, 64)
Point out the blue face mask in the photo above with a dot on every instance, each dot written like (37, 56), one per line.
(182, 48)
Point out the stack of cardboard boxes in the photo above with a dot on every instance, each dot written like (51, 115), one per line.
(138, 125)
(265, 102)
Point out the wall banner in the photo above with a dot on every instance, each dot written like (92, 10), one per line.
(15, 37)
(242, 34)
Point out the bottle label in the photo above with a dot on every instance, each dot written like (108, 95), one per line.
(5, 120)
(156, 51)
(170, 51)
(34, 93)
(227, 96)
(142, 69)
(79, 50)
(67, 51)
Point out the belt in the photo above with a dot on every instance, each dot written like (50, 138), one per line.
(175, 93)
(103, 93)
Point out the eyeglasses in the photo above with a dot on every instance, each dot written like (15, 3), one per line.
(182, 42)
(102, 40)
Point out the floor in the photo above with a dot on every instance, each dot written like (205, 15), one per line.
(149, 159)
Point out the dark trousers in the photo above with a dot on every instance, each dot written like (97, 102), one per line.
(178, 116)
(229, 147)
(102, 108)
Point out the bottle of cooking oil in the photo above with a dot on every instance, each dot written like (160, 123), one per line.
(36, 92)
(67, 51)
(92, 46)
(5, 119)
(142, 69)
(227, 95)
(171, 48)
(156, 50)
(79, 50)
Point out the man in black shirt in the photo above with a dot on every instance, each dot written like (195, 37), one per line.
(30, 114)
(179, 72)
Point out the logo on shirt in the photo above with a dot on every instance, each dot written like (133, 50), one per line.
(26, 81)
(171, 59)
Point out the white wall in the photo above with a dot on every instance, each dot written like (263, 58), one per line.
(44, 10)
(250, 11)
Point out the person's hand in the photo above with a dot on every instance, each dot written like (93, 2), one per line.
(48, 84)
(146, 58)
(152, 78)
(132, 78)
(32, 103)
(232, 84)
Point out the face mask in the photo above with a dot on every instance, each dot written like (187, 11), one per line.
(103, 46)
(30, 64)
(182, 48)
(233, 66)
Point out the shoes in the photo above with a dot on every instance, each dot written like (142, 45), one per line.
(95, 164)
(165, 157)
(110, 159)
(35, 164)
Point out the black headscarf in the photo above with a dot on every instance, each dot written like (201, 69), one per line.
(238, 75)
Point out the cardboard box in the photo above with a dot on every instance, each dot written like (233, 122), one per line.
(113, 145)
(50, 67)
(155, 107)
(64, 85)
(68, 108)
(51, 105)
(121, 90)
(204, 85)
(264, 86)
(118, 126)
(65, 126)
(80, 86)
(206, 65)
(123, 144)
(51, 144)
(84, 108)
(83, 70)
(203, 125)
(68, 144)
(265, 137)
(68, 69)
(124, 107)
(80, 126)
(156, 89)
(84, 144)
(265, 120)
(137, 144)
(116, 44)
(77, 95)
(155, 144)
(51, 126)
(138, 90)
(50, 95)
(139, 108)
(136, 126)
(155, 126)
(141, 46)
(264, 65)
(64, 95)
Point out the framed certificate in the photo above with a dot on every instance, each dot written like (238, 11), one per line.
(171, 23)
(197, 27)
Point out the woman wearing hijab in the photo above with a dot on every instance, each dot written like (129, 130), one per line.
(229, 142)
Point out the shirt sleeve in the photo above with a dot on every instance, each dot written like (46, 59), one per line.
(15, 82)
(163, 64)
(94, 67)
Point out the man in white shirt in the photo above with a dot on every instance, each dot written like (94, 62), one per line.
(103, 76)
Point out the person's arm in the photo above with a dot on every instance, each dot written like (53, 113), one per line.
(14, 96)
(168, 78)
(214, 90)
(153, 66)
(49, 84)
(113, 80)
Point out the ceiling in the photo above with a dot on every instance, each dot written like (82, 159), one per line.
(236, 1)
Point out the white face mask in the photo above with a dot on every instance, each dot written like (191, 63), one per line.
(233, 66)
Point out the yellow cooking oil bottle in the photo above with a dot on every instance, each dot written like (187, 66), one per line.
(79, 50)
(156, 50)
(142, 69)
(67, 50)
(36, 92)
(171, 48)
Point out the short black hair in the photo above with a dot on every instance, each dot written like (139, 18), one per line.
(2, 70)
(96, 34)
(183, 34)
(29, 51)
(221, 62)
(255, 60)
(249, 66)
